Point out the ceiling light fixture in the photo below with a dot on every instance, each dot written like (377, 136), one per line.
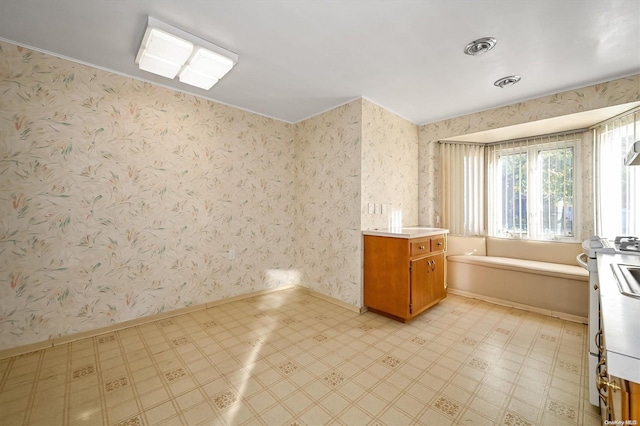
(480, 46)
(507, 81)
(170, 52)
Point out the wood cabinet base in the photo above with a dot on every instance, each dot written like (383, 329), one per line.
(403, 277)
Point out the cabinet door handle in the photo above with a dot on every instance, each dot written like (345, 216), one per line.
(421, 247)
(439, 243)
(602, 383)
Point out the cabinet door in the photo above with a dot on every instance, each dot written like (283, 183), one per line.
(427, 282)
(437, 276)
(421, 287)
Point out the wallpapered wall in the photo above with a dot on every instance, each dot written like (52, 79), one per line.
(119, 199)
(328, 168)
(348, 157)
(614, 92)
(389, 166)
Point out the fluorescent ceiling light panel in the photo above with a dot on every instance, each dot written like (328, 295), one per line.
(165, 51)
(211, 63)
(205, 68)
(194, 78)
(158, 65)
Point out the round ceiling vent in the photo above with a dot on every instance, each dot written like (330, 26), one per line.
(480, 46)
(507, 81)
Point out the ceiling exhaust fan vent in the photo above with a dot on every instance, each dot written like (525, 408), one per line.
(480, 46)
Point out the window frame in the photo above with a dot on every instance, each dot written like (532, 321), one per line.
(533, 150)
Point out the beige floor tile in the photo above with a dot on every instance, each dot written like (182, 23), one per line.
(147, 380)
(432, 381)
(122, 411)
(91, 409)
(44, 403)
(283, 389)
(371, 404)
(91, 419)
(296, 358)
(181, 385)
(240, 413)
(154, 397)
(434, 417)
(356, 417)
(335, 403)
(189, 399)
(277, 415)
(412, 406)
(160, 413)
(524, 410)
(386, 391)
(261, 401)
(486, 408)
(471, 417)
(315, 415)
(298, 403)
(53, 415)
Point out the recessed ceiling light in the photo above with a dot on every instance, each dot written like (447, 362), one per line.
(480, 46)
(507, 81)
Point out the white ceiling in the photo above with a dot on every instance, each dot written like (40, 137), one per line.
(299, 58)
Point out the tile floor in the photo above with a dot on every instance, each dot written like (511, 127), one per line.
(289, 358)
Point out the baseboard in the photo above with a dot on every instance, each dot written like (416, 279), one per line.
(19, 350)
(333, 300)
(25, 349)
(529, 308)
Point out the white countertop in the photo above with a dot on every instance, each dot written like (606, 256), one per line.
(406, 232)
(621, 320)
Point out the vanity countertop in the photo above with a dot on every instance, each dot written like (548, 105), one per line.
(406, 232)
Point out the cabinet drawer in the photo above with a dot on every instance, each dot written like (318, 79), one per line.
(420, 246)
(437, 244)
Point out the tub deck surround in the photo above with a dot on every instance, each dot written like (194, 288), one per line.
(406, 232)
(540, 276)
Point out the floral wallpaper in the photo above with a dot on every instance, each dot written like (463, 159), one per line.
(389, 166)
(614, 92)
(328, 182)
(120, 199)
(348, 157)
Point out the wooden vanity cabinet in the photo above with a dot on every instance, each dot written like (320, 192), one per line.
(403, 276)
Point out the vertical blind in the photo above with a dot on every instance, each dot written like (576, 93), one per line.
(462, 186)
(617, 187)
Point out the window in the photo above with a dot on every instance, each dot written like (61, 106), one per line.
(532, 189)
(617, 186)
